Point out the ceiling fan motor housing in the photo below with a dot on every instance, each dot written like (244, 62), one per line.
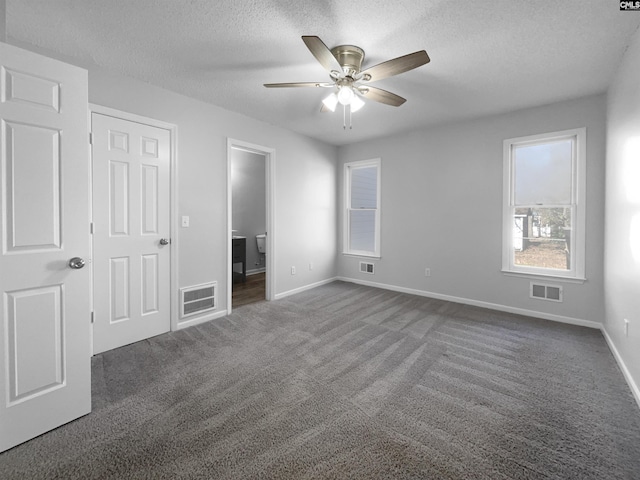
(350, 58)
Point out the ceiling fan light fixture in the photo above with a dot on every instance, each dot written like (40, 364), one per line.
(346, 95)
(331, 101)
(356, 104)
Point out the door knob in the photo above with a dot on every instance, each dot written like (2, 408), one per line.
(77, 263)
(164, 241)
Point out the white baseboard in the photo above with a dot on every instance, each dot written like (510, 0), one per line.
(625, 371)
(478, 303)
(204, 318)
(278, 296)
(255, 271)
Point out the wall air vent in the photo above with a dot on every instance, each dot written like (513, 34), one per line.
(544, 291)
(366, 268)
(198, 299)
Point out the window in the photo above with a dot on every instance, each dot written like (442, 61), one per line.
(362, 208)
(544, 208)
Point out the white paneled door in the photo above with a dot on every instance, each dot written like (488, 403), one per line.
(131, 190)
(45, 358)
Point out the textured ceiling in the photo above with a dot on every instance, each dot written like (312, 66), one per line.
(486, 57)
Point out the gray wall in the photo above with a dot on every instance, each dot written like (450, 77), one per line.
(3, 21)
(622, 251)
(249, 207)
(442, 209)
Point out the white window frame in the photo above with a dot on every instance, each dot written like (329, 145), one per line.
(376, 162)
(578, 213)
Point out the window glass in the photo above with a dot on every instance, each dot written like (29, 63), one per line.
(542, 237)
(543, 173)
(364, 187)
(362, 228)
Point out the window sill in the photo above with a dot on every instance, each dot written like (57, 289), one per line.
(365, 255)
(541, 276)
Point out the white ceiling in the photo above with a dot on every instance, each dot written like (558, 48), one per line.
(487, 56)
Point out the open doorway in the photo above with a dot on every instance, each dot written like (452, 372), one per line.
(250, 235)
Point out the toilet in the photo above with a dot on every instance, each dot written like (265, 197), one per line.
(261, 241)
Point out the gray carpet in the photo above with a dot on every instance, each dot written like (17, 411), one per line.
(346, 381)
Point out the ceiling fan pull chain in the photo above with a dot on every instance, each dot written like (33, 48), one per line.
(344, 117)
(350, 125)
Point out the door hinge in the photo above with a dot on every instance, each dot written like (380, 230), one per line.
(90, 138)
(91, 228)
(92, 317)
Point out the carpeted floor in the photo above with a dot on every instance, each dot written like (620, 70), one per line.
(346, 381)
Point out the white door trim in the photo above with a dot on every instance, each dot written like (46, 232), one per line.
(270, 158)
(173, 201)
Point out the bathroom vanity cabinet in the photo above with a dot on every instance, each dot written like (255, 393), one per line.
(239, 255)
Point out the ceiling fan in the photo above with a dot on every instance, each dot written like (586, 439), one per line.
(348, 81)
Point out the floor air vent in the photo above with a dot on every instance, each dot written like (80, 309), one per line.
(198, 299)
(544, 291)
(366, 267)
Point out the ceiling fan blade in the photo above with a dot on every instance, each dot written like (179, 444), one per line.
(322, 53)
(324, 109)
(395, 66)
(382, 96)
(299, 84)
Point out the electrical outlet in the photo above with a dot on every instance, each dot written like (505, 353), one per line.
(293, 270)
(626, 327)
(427, 272)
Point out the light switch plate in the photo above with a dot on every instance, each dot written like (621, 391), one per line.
(185, 221)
